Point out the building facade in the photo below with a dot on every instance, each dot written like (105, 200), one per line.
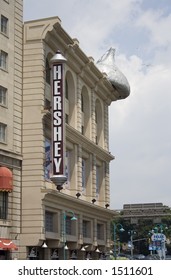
(86, 193)
(39, 219)
(11, 13)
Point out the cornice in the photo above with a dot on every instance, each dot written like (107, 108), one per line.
(76, 137)
(77, 204)
(81, 64)
(51, 32)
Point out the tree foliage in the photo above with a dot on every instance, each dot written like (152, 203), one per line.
(144, 230)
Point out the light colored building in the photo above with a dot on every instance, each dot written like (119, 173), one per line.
(47, 212)
(33, 210)
(145, 211)
(10, 124)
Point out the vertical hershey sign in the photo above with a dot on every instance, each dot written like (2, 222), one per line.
(58, 130)
(58, 125)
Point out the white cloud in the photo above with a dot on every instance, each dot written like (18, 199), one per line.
(158, 26)
(140, 136)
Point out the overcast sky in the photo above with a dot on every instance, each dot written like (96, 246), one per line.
(140, 130)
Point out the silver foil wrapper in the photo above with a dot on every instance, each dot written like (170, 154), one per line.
(106, 64)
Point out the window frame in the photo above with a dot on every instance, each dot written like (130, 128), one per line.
(86, 229)
(70, 226)
(49, 221)
(3, 205)
(3, 96)
(3, 60)
(100, 231)
(4, 25)
(3, 133)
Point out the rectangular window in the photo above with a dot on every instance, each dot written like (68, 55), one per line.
(100, 231)
(86, 229)
(3, 132)
(3, 96)
(70, 226)
(3, 60)
(4, 25)
(3, 205)
(49, 226)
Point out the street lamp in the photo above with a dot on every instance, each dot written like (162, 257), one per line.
(121, 229)
(131, 233)
(73, 218)
(160, 228)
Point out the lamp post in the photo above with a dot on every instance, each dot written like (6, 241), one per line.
(121, 229)
(73, 218)
(131, 233)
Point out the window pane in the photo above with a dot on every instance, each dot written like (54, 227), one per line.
(4, 24)
(49, 221)
(100, 231)
(86, 229)
(68, 225)
(3, 93)
(3, 205)
(2, 132)
(3, 60)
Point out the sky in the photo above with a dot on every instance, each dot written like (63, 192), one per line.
(139, 126)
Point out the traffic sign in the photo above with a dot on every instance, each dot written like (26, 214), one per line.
(158, 237)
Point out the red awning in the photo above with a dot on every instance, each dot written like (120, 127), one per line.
(5, 179)
(6, 244)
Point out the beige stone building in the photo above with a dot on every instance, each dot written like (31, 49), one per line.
(11, 13)
(46, 212)
(72, 220)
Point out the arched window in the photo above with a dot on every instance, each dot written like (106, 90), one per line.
(82, 104)
(66, 89)
(70, 100)
(99, 123)
(85, 111)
